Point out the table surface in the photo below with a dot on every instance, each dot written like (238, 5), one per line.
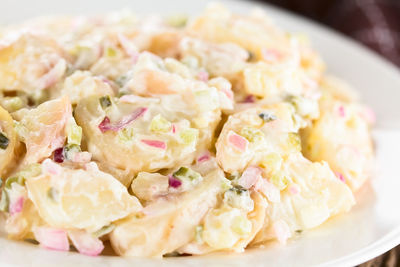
(389, 259)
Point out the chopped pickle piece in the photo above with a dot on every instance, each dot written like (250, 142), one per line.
(252, 134)
(160, 124)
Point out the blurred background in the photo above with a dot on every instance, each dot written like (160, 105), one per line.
(375, 23)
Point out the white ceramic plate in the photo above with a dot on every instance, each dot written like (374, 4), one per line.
(370, 229)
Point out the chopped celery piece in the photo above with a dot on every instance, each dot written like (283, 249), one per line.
(188, 136)
(104, 230)
(125, 135)
(160, 124)
(14, 179)
(252, 134)
(280, 180)
(241, 225)
(238, 197)
(111, 52)
(105, 101)
(21, 130)
(186, 173)
(74, 133)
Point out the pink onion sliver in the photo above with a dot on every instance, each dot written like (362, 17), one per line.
(203, 76)
(173, 129)
(340, 176)
(228, 92)
(52, 238)
(249, 177)
(341, 111)
(86, 243)
(268, 189)
(128, 47)
(106, 125)
(129, 99)
(49, 166)
(239, 142)
(17, 206)
(155, 143)
(282, 231)
(203, 158)
(271, 54)
(82, 157)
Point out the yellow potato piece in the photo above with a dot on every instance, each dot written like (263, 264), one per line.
(84, 199)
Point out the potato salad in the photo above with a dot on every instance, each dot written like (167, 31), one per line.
(168, 136)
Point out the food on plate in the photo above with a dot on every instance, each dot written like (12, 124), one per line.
(173, 136)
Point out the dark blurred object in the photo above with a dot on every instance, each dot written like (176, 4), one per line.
(376, 23)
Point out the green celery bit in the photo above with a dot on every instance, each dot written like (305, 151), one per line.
(187, 173)
(15, 179)
(104, 230)
(280, 181)
(111, 52)
(252, 134)
(105, 101)
(188, 136)
(160, 124)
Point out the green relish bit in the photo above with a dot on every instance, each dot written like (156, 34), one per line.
(252, 134)
(111, 52)
(280, 181)
(104, 230)
(4, 141)
(267, 117)
(185, 172)
(4, 201)
(105, 101)
(121, 80)
(239, 190)
(160, 124)
(14, 179)
(251, 56)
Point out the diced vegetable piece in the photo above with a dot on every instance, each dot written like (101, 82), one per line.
(111, 52)
(271, 162)
(267, 117)
(51, 238)
(280, 180)
(74, 133)
(106, 124)
(177, 20)
(104, 230)
(86, 243)
(294, 141)
(53, 194)
(160, 124)
(174, 182)
(59, 155)
(155, 143)
(237, 141)
(186, 173)
(238, 197)
(249, 177)
(17, 205)
(252, 134)
(105, 101)
(4, 141)
(146, 185)
(188, 136)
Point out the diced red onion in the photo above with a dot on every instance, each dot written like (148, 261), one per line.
(86, 243)
(341, 111)
(128, 47)
(51, 238)
(268, 189)
(59, 155)
(155, 143)
(340, 176)
(237, 141)
(249, 99)
(271, 54)
(174, 182)
(82, 157)
(203, 76)
(17, 205)
(228, 92)
(173, 128)
(106, 125)
(249, 177)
